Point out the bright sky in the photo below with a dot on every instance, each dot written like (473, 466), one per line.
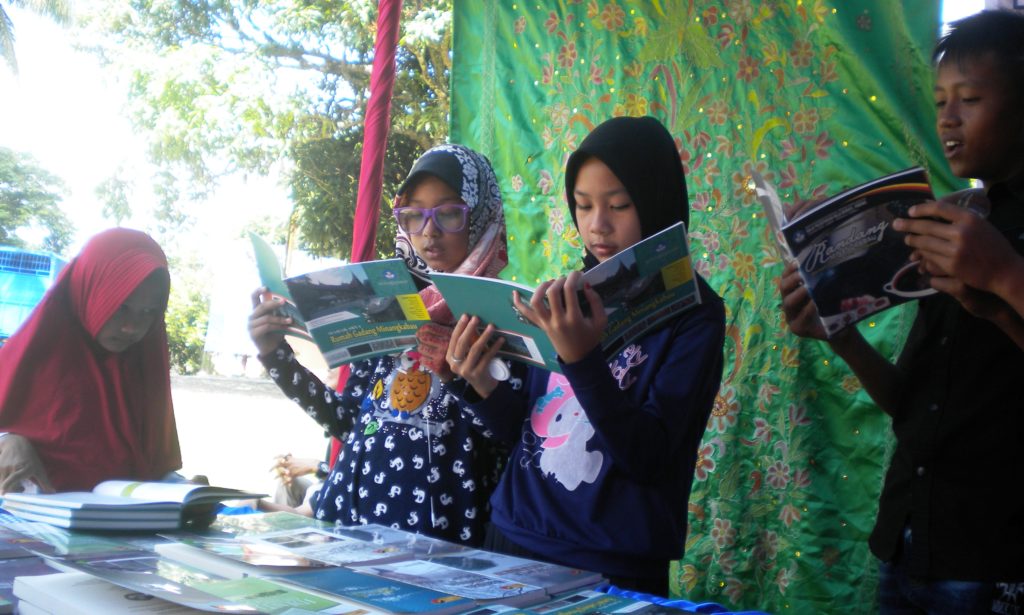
(66, 112)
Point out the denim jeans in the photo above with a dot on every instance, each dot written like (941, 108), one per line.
(902, 594)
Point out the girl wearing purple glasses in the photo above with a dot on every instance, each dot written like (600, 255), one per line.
(411, 458)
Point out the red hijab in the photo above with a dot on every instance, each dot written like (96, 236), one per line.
(92, 415)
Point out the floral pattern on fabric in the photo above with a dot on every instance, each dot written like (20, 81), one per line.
(814, 95)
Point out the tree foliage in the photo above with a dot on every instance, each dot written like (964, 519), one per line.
(188, 309)
(56, 10)
(226, 86)
(29, 198)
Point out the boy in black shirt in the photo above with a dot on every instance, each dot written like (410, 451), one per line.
(950, 527)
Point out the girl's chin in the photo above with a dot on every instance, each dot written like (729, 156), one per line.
(440, 266)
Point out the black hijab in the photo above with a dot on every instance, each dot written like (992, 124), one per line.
(642, 154)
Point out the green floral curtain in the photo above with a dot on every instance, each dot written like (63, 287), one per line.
(814, 95)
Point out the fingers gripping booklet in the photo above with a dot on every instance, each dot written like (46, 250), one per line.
(851, 260)
(641, 287)
(361, 310)
(353, 311)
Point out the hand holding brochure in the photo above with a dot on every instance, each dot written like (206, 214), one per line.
(640, 287)
(352, 312)
(851, 260)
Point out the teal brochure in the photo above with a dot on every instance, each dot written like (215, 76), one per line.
(640, 288)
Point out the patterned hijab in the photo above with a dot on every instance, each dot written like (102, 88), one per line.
(470, 175)
(90, 414)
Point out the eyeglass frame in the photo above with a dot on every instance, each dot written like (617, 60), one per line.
(429, 215)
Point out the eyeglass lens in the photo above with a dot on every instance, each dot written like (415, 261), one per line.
(450, 218)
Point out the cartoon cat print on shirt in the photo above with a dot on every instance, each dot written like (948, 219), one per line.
(558, 418)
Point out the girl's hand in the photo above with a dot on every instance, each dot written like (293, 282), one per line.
(432, 344)
(555, 308)
(19, 464)
(266, 322)
(470, 354)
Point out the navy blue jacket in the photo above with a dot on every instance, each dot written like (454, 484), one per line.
(600, 481)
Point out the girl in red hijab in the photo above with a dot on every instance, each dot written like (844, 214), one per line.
(85, 390)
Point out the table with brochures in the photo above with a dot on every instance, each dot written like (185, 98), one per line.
(282, 563)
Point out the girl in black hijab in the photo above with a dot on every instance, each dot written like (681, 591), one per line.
(604, 453)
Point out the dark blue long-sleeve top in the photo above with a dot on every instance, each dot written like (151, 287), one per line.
(604, 456)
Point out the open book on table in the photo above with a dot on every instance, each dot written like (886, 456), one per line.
(851, 260)
(125, 505)
(641, 287)
(352, 312)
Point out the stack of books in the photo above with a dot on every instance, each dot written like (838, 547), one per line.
(125, 505)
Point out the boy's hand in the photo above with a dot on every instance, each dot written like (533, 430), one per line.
(265, 322)
(433, 345)
(800, 312)
(957, 243)
(470, 354)
(979, 303)
(555, 308)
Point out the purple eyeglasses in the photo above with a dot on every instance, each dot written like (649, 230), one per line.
(449, 217)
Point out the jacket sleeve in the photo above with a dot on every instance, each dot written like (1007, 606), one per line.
(335, 411)
(648, 434)
(500, 416)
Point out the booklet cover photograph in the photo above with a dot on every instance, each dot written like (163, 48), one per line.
(359, 310)
(851, 259)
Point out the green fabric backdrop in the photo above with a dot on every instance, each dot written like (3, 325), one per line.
(815, 95)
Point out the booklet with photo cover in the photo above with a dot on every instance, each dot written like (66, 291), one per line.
(851, 260)
(352, 312)
(199, 590)
(640, 287)
(481, 587)
(286, 551)
(125, 505)
(554, 578)
(376, 592)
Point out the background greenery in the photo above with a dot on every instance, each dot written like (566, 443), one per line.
(814, 95)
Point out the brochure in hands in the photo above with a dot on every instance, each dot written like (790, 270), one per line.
(640, 287)
(352, 312)
(125, 505)
(851, 260)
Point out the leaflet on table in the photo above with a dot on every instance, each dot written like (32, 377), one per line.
(286, 551)
(147, 573)
(555, 579)
(851, 260)
(457, 581)
(640, 287)
(262, 523)
(360, 310)
(18, 566)
(351, 545)
(196, 588)
(377, 592)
